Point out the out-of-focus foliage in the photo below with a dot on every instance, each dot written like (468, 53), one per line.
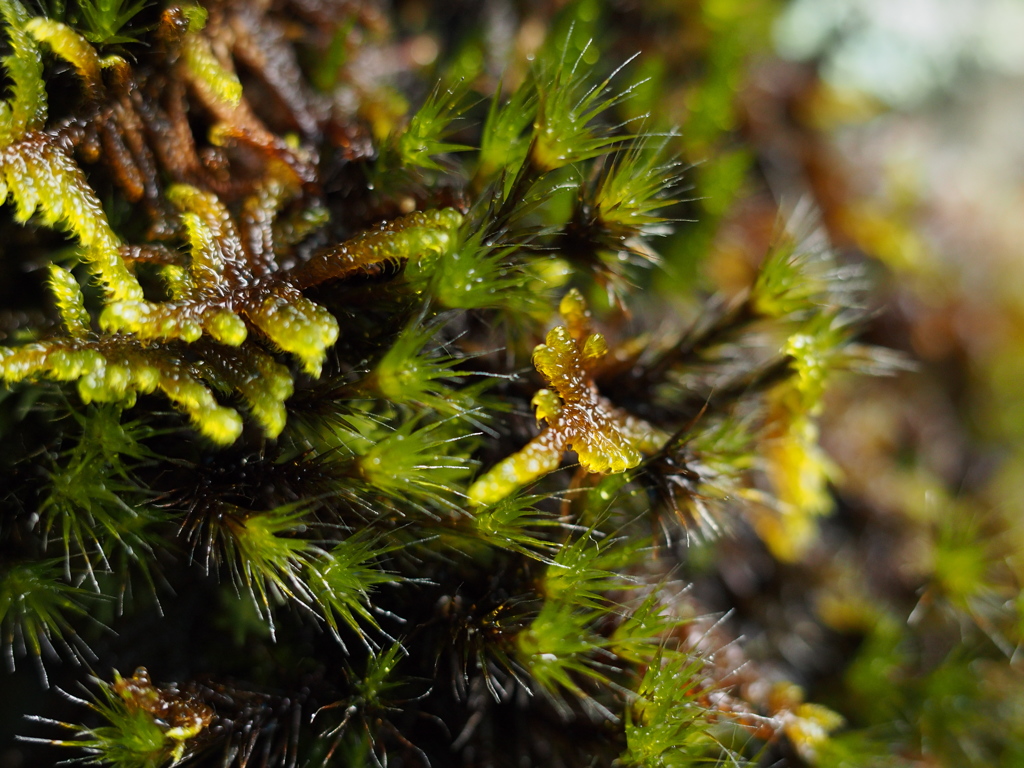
(925, 575)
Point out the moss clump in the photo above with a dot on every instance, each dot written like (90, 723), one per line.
(386, 560)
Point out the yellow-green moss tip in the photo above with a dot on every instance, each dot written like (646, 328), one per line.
(67, 293)
(217, 79)
(26, 111)
(72, 47)
(298, 326)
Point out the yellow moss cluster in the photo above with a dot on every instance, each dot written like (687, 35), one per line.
(576, 416)
(199, 339)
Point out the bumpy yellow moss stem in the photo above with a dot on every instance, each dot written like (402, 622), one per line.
(71, 46)
(26, 112)
(219, 80)
(219, 288)
(541, 455)
(42, 178)
(70, 302)
(263, 382)
(417, 235)
(299, 326)
(606, 438)
(115, 369)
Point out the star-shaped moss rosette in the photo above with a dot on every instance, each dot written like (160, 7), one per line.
(605, 438)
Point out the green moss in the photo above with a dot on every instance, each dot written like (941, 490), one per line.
(450, 436)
